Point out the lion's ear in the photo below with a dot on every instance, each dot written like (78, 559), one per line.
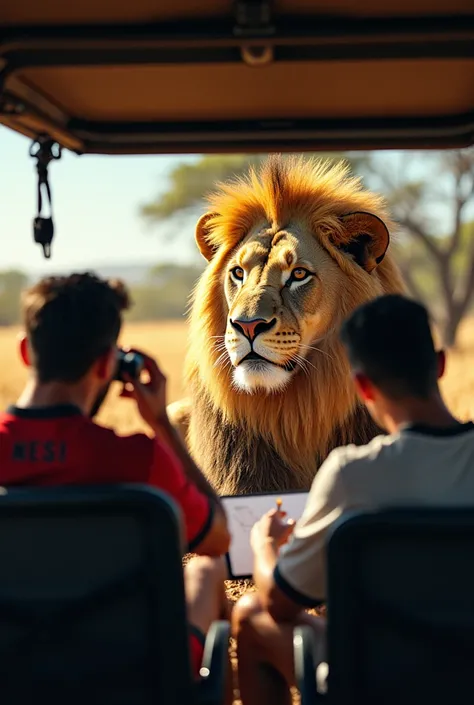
(368, 239)
(206, 248)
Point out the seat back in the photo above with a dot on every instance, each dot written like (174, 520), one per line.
(92, 606)
(401, 608)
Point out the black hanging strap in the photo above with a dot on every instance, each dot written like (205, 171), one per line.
(44, 150)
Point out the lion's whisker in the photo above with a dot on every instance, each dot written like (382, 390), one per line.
(221, 359)
(226, 366)
(312, 347)
(303, 368)
(301, 362)
(220, 347)
(304, 361)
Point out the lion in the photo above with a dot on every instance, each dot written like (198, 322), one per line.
(292, 249)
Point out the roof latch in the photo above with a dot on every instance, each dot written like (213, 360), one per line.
(44, 150)
(254, 22)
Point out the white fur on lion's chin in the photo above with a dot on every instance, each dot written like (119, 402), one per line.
(266, 377)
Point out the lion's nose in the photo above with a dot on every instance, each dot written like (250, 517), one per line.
(252, 328)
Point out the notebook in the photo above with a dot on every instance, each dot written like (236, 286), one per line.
(242, 513)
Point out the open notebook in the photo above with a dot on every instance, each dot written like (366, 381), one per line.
(242, 512)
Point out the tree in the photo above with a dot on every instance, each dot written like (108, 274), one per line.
(165, 273)
(190, 182)
(438, 268)
(164, 293)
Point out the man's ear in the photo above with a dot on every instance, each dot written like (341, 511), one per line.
(441, 363)
(368, 239)
(363, 387)
(207, 249)
(24, 350)
(106, 365)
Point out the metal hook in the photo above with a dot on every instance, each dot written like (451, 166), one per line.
(44, 150)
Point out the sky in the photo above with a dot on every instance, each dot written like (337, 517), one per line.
(95, 204)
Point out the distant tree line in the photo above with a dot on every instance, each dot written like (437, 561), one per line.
(163, 293)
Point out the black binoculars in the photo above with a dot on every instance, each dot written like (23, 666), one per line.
(130, 364)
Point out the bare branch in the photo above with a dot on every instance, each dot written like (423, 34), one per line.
(468, 295)
(420, 234)
(461, 168)
(410, 282)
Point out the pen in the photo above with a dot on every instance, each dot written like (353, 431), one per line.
(279, 504)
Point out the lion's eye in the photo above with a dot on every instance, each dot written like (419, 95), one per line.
(299, 274)
(237, 273)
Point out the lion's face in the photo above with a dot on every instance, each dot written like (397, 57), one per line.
(281, 290)
(291, 251)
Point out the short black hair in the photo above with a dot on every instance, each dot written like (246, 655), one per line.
(389, 340)
(70, 322)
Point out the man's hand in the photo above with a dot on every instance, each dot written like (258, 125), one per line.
(267, 536)
(150, 396)
(271, 528)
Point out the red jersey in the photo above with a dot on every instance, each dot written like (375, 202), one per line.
(58, 445)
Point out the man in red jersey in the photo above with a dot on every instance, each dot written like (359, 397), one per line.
(49, 438)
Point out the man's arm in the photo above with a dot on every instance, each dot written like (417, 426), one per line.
(166, 432)
(217, 539)
(295, 578)
(151, 402)
(266, 550)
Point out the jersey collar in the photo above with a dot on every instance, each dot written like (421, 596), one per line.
(438, 432)
(45, 412)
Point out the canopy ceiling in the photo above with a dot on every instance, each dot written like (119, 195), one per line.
(213, 76)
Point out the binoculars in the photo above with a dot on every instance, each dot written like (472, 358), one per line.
(129, 363)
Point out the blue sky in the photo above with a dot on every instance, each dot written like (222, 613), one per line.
(95, 202)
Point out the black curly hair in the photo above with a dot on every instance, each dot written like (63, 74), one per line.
(389, 340)
(70, 322)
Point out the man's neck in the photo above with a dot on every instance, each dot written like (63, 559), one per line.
(36, 395)
(431, 412)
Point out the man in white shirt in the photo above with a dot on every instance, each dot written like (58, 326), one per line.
(426, 458)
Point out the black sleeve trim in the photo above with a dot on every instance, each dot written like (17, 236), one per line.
(201, 535)
(294, 595)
